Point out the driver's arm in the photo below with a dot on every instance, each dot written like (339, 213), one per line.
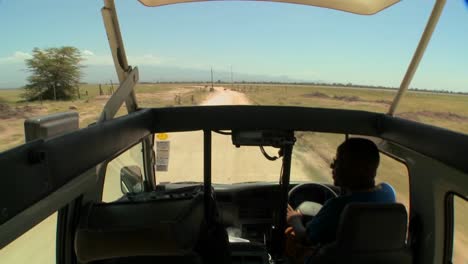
(294, 219)
(299, 229)
(322, 228)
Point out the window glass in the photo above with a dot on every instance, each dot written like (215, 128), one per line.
(396, 174)
(35, 246)
(243, 164)
(313, 153)
(312, 156)
(229, 163)
(112, 183)
(460, 231)
(179, 157)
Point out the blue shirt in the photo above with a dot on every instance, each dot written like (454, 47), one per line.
(322, 229)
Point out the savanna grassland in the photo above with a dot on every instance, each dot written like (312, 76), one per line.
(14, 110)
(444, 110)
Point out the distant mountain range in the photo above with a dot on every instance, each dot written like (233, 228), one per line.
(104, 73)
(96, 74)
(152, 74)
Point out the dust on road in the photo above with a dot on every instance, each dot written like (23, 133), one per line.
(226, 97)
(229, 164)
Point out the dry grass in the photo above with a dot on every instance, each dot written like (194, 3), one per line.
(14, 111)
(444, 110)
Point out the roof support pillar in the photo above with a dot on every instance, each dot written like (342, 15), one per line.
(128, 78)
(418, 54)
(114, 36)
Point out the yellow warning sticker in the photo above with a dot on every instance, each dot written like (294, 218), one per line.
(162, 136)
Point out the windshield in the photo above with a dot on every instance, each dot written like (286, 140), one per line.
(244, 164)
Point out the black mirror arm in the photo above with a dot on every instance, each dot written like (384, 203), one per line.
(278, 239)
(207, 175)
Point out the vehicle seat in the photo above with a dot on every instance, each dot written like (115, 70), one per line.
(152, 231)
(368, 233)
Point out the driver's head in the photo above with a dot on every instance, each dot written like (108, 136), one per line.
(355, 165)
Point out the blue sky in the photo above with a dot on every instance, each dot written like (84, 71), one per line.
(269, 41)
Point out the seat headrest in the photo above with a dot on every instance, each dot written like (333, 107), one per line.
(371, 226)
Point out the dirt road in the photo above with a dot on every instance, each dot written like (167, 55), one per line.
(226, 97)
(229, 164)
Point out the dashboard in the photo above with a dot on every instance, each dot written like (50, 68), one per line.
(248, 209)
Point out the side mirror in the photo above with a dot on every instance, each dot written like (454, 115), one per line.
(131, 179)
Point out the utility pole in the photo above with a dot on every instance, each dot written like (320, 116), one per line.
(232, 83)
(111, 90)
(212, 88)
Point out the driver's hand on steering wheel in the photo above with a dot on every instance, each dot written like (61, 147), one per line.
(293, 215)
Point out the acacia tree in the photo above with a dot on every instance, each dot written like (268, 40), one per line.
(55, 74)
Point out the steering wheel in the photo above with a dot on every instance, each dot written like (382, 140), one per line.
(309, 198)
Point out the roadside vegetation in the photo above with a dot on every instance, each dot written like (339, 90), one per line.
(440, 109)
(14, 110)
(55, 74)
(54, 85)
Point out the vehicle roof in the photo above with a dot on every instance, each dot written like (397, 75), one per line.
(362, 7)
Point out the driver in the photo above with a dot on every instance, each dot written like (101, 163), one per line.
(354, 170)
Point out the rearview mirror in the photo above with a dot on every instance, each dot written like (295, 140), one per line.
(131, 179)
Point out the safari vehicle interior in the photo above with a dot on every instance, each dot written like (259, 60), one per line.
(202, 222)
